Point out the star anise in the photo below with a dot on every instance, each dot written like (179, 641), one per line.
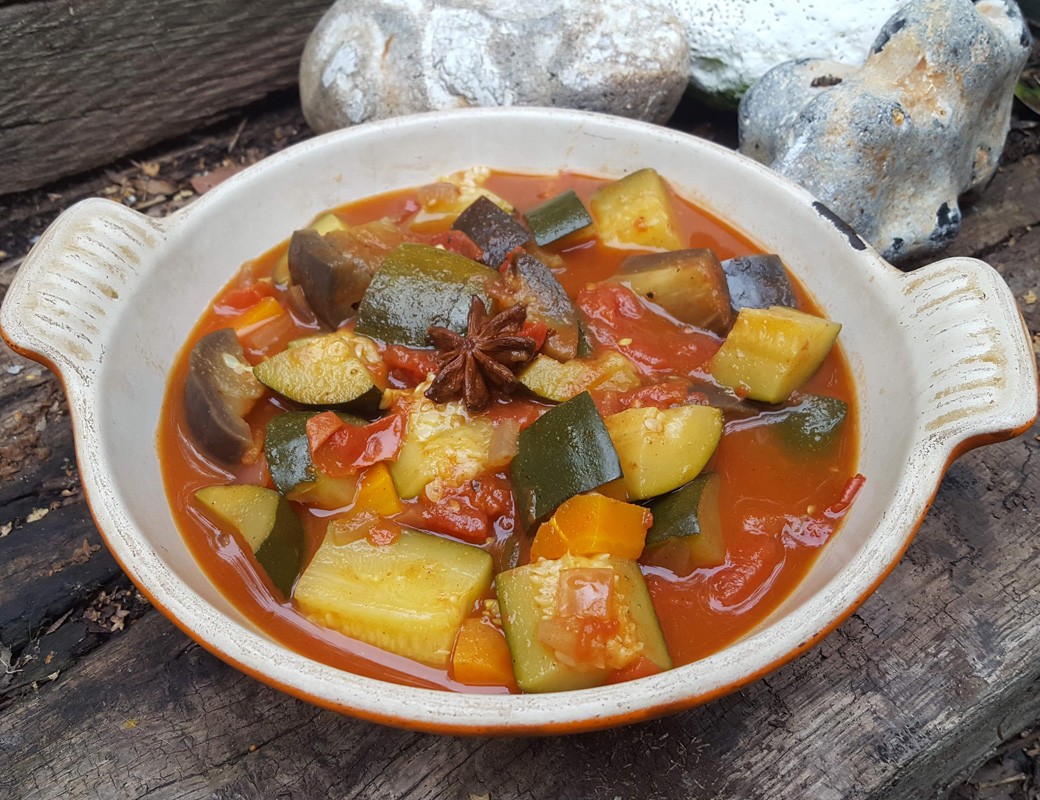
(485, 359)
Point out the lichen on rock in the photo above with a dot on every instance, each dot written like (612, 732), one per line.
(891, 145)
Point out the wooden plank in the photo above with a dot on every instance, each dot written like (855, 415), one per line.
(937, 667)
(83, 83)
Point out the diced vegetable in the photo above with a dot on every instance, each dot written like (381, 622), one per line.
(443, 201)
(322, 225)
(323, 371)
(564, 452)
(494, 231)
(558, 382)
(481, 656)
(334, 267)
(376, 493)
(812, 426)
(408, 595)
(636, 211)
(661, 449)
(288, 455)
(758, 281)
(267, 523)
(589, 524)
(687, 529)
(591, 633)
(558, 217)
(688, 284)
(419, 286)
(341, 449)
(770, 352)
(219, 392)
(547, 302)
(442, 445)
(264, 310)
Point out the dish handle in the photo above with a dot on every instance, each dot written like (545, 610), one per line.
(972, 353)
(63, 301)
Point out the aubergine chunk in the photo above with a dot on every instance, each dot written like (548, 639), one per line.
(758, 281)
(335, 269)
(218, 394)
(547, 301)
(494, 231)
(688, 284)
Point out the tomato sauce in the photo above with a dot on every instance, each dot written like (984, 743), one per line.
(777, 511)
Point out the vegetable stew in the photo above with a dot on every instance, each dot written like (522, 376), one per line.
(510, 433)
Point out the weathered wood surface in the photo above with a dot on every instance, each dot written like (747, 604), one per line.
(106, 698)
(82, 83)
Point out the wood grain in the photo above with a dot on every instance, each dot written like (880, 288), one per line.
(82, 83)
(936, 668)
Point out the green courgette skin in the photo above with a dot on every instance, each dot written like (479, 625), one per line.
(676, 514)
(418, 286)
(281, 554)
(558, 217)
(758, 281)
(492, 230)
(288, 450)
(565, 452)
(813, 425)
(687, 531)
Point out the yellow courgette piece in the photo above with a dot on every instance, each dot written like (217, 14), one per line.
(661, 449)
(323, 371)
(560, 381)
(772, 351)
(441, 444)
(267, 523)
(527, 597)
(409, 596)
(636, 211)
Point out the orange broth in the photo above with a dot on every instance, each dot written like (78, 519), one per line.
(772, 505)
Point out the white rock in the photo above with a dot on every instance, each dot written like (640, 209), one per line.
(733, 43)
(890, 146)
(370, 59)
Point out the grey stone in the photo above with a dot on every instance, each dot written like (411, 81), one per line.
(733, 43)
(370, 59)
(890, 146)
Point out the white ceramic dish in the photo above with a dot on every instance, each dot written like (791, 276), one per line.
(941, 359)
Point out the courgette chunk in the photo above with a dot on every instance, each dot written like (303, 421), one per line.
(758, 281)
(661, 449)
(324, 371)
(419, 286)
(409, 596)
(288, 454)
(564, 452)
(687, 530)
(267, 523)
(813, 425)
(558, 217)
(529, 598)
(442, 445)
(636, 211)
(770, 352)
(559, 382)
(494, 231)
(688, 284)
